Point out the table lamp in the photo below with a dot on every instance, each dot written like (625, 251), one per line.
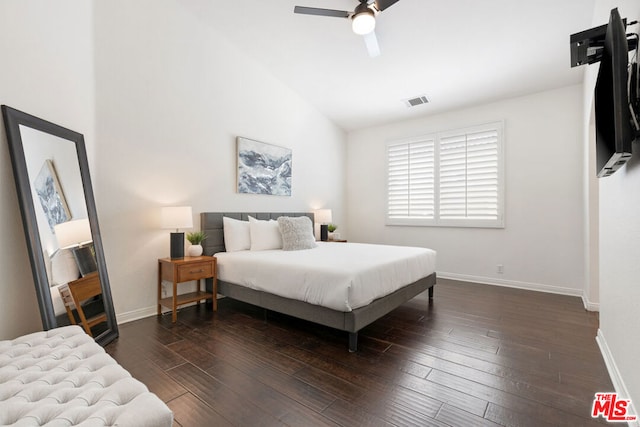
(177, 217)
(76, 236)
(323, 216)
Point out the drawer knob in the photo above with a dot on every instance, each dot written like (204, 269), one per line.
(198, 271)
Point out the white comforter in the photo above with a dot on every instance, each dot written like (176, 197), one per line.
(340, 276)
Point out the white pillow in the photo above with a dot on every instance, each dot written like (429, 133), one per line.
(297, 233)
(265, 235)
(236, 235)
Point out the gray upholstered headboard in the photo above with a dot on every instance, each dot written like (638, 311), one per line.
(211, 224)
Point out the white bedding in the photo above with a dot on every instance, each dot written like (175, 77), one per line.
(340, 276)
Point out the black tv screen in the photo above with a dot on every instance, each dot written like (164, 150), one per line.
(614, 131)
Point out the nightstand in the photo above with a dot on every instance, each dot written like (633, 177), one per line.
(182, 270)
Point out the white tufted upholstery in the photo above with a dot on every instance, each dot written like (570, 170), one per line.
(61, 378)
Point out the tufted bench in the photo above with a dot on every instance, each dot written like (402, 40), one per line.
(61, 377)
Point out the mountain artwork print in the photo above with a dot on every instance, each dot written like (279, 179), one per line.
(50, 194)
(263, 168)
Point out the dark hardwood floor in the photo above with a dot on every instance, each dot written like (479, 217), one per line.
(477, 355)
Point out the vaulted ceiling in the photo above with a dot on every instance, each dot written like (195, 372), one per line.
(456, 52)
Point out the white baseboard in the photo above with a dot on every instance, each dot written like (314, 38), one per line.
(614, 374)
(512, 284)
(130, 316)
(588, 305)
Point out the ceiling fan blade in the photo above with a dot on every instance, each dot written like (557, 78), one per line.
(384, 4)
(321, 12)
(372, 44)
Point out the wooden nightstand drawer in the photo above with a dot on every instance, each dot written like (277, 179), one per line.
(194, 271)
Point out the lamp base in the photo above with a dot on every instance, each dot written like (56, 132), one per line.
(177, 245)
(324, 232)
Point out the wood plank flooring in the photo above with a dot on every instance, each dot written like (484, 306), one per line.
(478, 355)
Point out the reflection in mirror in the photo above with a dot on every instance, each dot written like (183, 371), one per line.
(75, 235)
(58, 211)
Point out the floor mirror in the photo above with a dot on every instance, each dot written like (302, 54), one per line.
(58, 211)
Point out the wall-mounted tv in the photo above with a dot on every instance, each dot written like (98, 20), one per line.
(615, 98)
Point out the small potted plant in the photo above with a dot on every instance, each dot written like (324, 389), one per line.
(331, 228)
(196, 238)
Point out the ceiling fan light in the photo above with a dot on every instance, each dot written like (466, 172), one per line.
(363, 22)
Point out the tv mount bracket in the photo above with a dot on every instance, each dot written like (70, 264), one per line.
(586, 46)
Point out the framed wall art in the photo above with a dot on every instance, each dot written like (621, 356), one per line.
(263, 168)
(50, 194)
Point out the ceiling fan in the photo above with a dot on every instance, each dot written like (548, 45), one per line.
(363, 19)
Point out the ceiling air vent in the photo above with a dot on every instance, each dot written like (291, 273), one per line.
(414, 102)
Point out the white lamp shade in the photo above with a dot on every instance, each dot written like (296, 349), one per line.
(73, 233)
(323, 216)
(363, 23)
(177, 217)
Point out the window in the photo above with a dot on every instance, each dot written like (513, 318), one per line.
(452, 178)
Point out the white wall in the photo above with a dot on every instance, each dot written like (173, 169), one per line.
(47, 71)
(160, 99)
(541, 244)
(591, 196)
(171, 97)
(619, 248)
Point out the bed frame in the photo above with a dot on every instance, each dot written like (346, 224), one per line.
(351, 322)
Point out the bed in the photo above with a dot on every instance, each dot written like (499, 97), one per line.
(62, 377)
(350, 316)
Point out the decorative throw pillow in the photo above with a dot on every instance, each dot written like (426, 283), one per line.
(265, 235)
(236, 235)
(297, 233)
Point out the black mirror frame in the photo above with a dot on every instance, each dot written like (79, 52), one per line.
(13, 119)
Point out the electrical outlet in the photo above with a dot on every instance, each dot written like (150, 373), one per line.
(500, 269)
(164, 290)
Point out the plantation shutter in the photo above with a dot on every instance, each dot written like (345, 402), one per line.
(411, 179)
(450, 179)
(469, 176)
